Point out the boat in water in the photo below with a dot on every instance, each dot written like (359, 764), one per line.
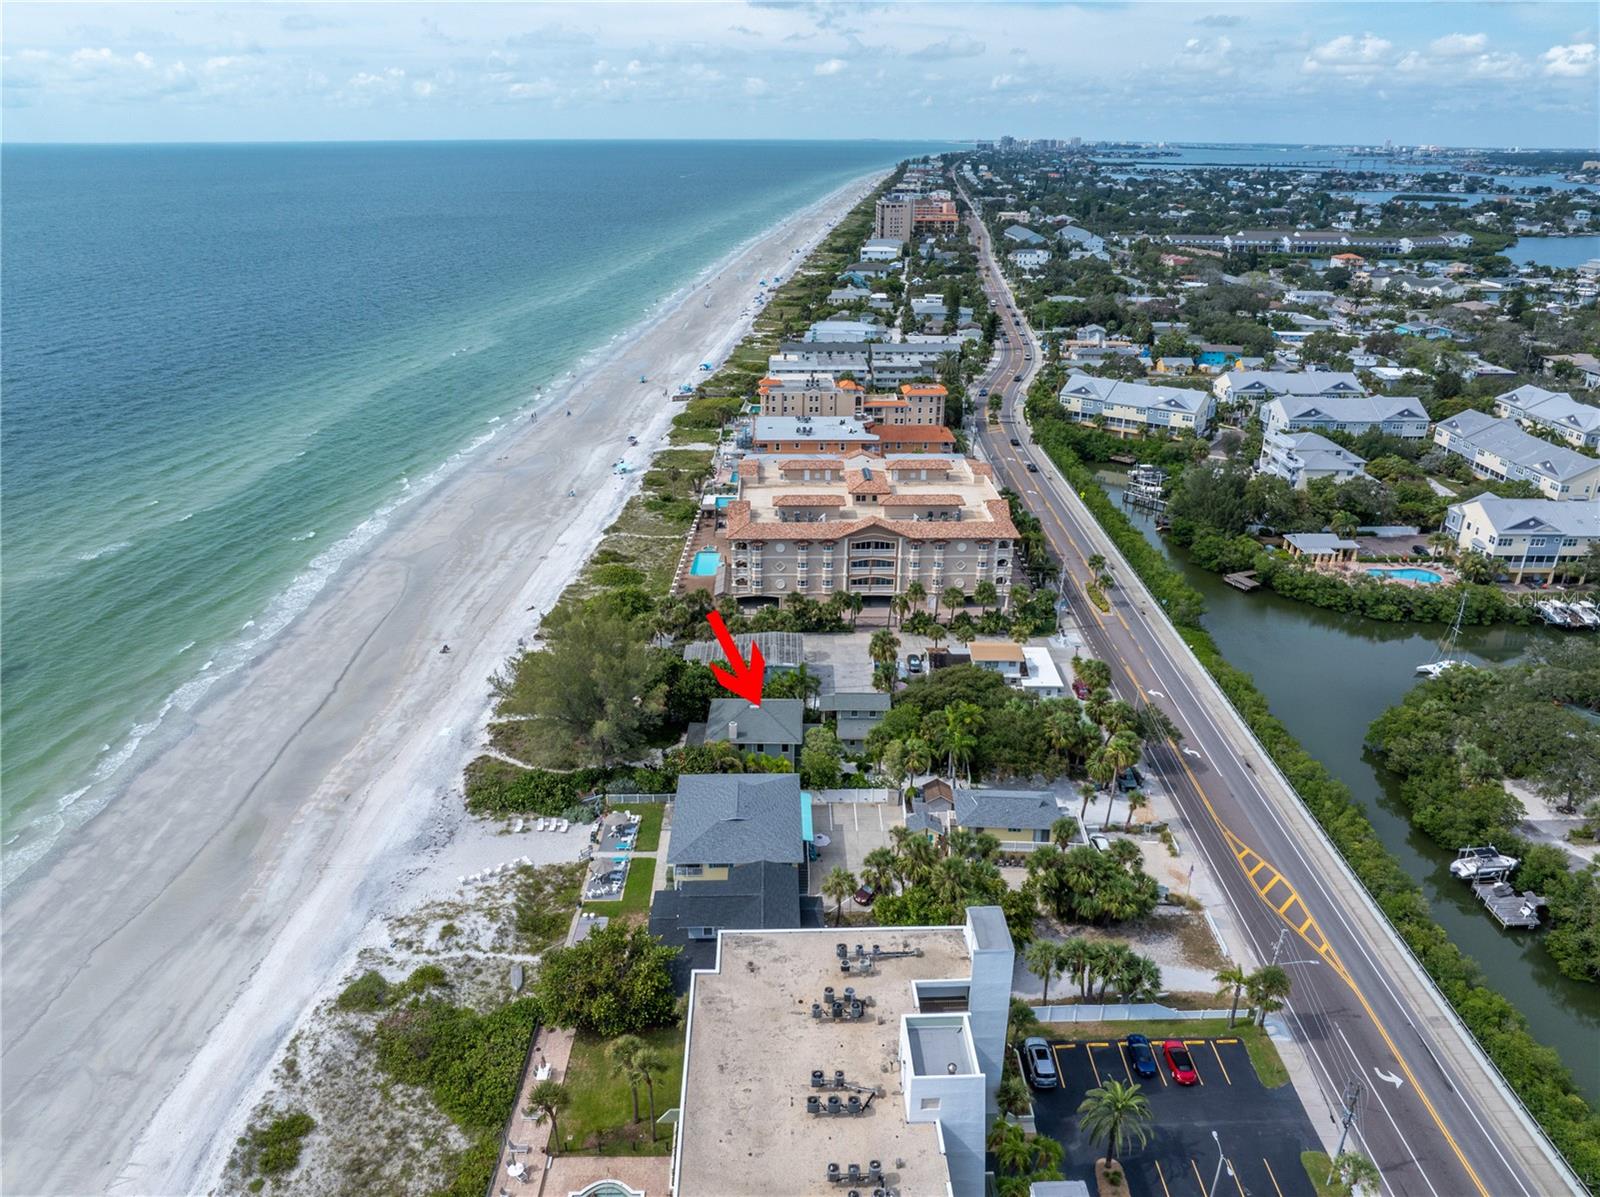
(1442, 660)
(1471, 864)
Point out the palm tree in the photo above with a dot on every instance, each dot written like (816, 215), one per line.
(650, 1065)
(1137, 800)
(878, 870)
(1355, 1171)
(1119, 1113)
(884, 648)
(839, 885)
(1096, 563)
(1076, 957)
(1044, 959)
(1118, 716)
(964, 633)
(1020, 1022)
(986, 594)
(936, 633)
(1114, 957)
(621, 1053)
(1064, 831)
(549, 1098)
(961, 721)
(1233, 981)
(918, 859)
(1138, 980)
(898, 606)
(1268, 987)
(855, 602)
(1344, 523)
(1013, 1154)
(919, 756)
(1013, 1097)
(952, 882)
(953, 597)
(917, 596)
(1126, 853)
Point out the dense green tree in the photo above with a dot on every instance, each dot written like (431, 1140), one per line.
(613, 982)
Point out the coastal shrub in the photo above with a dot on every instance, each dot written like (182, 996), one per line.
(1535, 1072)
(615, 574)
(496, 787)
(369, 991)
(542, 903)
(470, 1063)
(274, 1149)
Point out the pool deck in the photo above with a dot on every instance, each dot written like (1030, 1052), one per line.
(701, 537)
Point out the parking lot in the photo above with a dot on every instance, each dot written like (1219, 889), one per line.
(1262, 1131)
(852, 830)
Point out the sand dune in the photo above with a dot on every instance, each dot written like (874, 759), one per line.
(156, 966)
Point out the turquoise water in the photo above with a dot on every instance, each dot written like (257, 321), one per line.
(224, 367)
(723, 501)
(1426, 576)
(705, 563)
(1562, 253)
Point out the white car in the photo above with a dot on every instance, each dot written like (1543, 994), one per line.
(1099, 842)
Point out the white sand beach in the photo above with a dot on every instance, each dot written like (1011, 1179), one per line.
(155, 967)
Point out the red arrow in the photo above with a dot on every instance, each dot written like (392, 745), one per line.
(745, 680)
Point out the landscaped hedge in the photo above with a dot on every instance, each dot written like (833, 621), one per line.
(1534, 1071)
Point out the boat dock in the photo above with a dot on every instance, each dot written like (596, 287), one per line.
(1509, 908)
(1582, 615)
(1245, 581)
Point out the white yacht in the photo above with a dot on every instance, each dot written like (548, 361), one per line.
(1487, 861)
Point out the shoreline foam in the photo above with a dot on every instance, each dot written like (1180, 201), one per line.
(167, 953)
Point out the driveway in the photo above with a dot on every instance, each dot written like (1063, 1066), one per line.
(852, 829)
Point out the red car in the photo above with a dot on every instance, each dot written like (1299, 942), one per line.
(1079, 688)
(1179, 1062)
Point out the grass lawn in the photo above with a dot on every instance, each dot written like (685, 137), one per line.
(650, 816)
(601, 1116)
(636, 892)
(1263, 1053)
(1317, 1165)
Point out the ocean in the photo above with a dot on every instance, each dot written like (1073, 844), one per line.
(226, 367)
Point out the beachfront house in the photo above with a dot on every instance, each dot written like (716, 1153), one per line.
(1017, 818)
(775, 728)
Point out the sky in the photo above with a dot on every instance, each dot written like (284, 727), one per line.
(1476, 74)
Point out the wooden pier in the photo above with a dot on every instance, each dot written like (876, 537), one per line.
(1509, 908)
(1245, 581)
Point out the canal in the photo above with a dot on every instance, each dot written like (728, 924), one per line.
(1327, 676)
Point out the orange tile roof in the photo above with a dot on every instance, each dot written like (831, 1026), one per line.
(922, 388)
(808, 501)
(848, 384)
(859, 484)
(886, 401)
(796, 464)
(922, 501)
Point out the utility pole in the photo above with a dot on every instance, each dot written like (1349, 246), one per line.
(1352, 1095)
(1277, 948)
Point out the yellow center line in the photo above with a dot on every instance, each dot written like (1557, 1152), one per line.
(1272, 1178)
(1220, 1064)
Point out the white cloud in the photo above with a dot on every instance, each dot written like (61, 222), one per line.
(1459, 45)
(1569, 62)
(949, 47)
(755, 87)
(539, 89)
(1001, 82)
(422, 89)
(1349, 55)
(832, 67)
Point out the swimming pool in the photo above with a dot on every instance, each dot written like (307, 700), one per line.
(1425, 577)
(705, 563)
(723, 501)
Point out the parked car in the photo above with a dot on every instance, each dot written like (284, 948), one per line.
(1130, 779)
(913, 663)
(1032, 469)
(865, 895)
(1099, 842)
(1141, 1058)
(1016, 378)
(1038, 1065)
(982, 391)
(1421, 550)
(1080, 688)
(1179, 1062)
(1015, 441)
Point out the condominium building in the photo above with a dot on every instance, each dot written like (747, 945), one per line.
(819, 396)
(1133, 408)
(886, 363)
(1500, 449)
(1394, 416)
(814, 1063)
(900, 214)
(1529, 538)
(864, 523)
(1257, 386)
(1300, 457)
(1576, 423)
(1320, 241)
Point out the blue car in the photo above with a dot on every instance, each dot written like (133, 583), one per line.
(1140, 1056)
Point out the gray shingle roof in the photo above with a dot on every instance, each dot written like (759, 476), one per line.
(1506, 440)
(1031, 810)
(854, 700)
(736, 818)
(775, 721)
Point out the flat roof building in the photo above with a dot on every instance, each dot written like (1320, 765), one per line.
(921, 1056)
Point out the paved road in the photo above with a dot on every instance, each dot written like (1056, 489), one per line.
(1361, 1007)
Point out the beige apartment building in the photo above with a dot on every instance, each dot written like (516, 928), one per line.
(864, 523)
(820, 396)
(901, 214)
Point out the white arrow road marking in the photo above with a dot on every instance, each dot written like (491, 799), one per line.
(1384, 1076)
(1157, 694)
(1191, 752)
